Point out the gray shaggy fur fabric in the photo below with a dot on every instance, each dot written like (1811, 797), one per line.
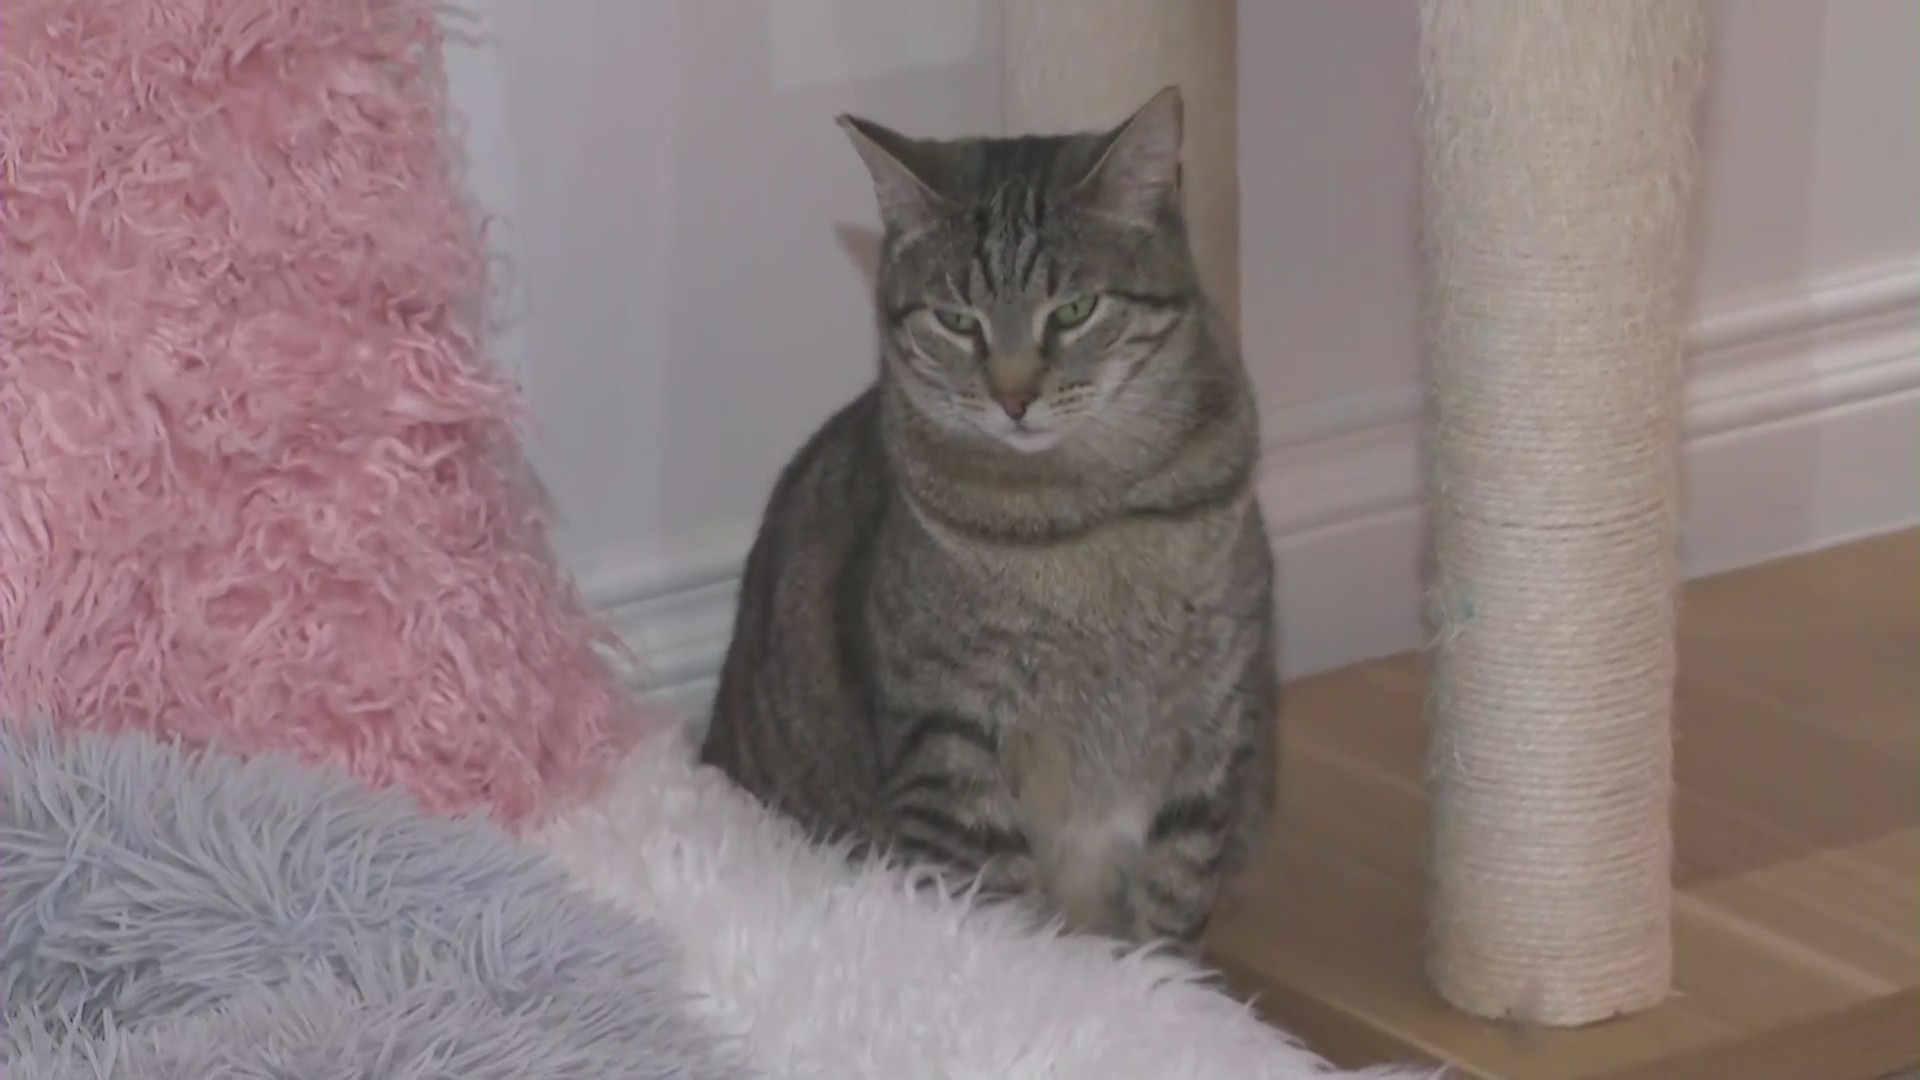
(171, 915)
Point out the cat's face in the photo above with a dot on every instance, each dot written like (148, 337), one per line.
(1034, 289)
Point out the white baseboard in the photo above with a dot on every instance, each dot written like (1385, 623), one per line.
(1803, 430)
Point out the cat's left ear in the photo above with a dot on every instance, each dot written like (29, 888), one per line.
(1136, 166)
(901, 169)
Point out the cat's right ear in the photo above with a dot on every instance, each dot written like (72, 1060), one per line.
(1137, 172)
(898, 165)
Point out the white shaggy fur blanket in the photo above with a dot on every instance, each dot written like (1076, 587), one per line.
(827, 971)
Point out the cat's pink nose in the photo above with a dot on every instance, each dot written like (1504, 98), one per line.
(1014, 404)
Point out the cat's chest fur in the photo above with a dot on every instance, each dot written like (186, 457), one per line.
(1099, 665)
(1095, 651)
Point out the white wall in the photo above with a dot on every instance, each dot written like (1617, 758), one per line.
(1811, 133)
(688, 224)
(1802, 398)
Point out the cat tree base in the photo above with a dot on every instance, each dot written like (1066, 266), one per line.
(1796, 881)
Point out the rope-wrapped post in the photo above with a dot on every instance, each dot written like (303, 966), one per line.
(1076, 64)
(1557, 156)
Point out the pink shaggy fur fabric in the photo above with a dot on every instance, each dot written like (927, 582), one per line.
(258, 485)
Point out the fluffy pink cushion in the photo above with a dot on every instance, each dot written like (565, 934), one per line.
(257, 484)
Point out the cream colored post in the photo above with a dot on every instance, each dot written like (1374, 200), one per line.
(1557, 150)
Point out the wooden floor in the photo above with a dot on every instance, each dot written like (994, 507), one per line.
(1797, 919)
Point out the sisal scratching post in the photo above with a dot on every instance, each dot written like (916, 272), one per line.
(1075, 64)
(1557, 155)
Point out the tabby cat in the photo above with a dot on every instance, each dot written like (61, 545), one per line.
(1011, 610)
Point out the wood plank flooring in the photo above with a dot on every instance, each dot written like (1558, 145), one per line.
(1797, 919)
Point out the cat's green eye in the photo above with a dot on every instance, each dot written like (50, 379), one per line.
(958, 322)
(1074, 312)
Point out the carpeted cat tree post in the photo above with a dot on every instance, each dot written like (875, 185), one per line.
(1557, 154)
(1073, 64)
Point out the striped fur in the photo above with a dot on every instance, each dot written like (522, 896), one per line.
(1011, 609)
